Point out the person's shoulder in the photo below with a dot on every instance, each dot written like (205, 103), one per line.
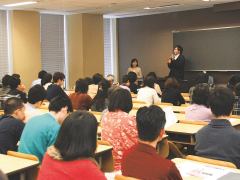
(10, 120)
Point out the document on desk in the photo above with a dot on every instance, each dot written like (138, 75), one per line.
(201, 171)
(170, 116)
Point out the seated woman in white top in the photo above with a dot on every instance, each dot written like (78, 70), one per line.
(135, 68)
(199, 109)
(156, 85)
(148, 94)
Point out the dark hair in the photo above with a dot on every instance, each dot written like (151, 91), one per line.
(59, 102)
(41, 74)
(152, 74)
(237, 89)
(134, 60)
(149, 81)
(89, 80)
(132, 76)
(5, 80)
(221, 101)
(233, 81)
(179, 48)
(120, 99)
(77, 137)
(12, 104)
(14, 82)
(81, 86)
(16, 75)
(97, 78)
(201, 94)
(58, 76)
(150, 121)
(125, 79)
(102, 94)
(47, 78)
(36, 93)
(171, 83)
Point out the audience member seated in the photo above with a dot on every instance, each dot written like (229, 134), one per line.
(199, 109)
(132, 76)
(5, 85)
(171, 93)
(111, 79)
(80, 99)
(11, 124)
(21, 86)
(14, 83)
(148, 94)
(36, 95)
(125, 83)
(40, 77)
(46, 80)
(93, 88)
(41, 131)
(100, 101)
(142, 161)
(118, 127)
(233, 81)
(72, 155)
(219, 140)
(156, 85)
(236, 107)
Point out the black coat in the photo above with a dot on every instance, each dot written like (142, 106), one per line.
(177, 67)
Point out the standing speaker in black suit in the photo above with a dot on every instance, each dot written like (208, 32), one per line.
(176, 64)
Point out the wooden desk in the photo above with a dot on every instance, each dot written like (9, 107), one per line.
(189, 169)
(13, 165)
(183, 133)
(1, 112)
(103, 156)
(102, 149)
(44, 105)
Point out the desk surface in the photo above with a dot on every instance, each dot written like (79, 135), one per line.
(102, 148)
(10, 164)
(193, 170)
(182, 128)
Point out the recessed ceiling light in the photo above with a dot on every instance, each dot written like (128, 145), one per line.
(206, 0)
(20, 4)
(160, 7)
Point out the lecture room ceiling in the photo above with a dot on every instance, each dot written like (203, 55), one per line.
(117, 8)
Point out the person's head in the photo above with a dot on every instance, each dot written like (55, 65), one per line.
(134, 62)
(201, 78)
(201, 94)
(47, 78)
(120, 99)
(89, 80)
(14, 106)
(16, 76)
(41, 74)
(125, 80)
(132, 76)
(237, 89)
(110, 78)
(58, 78)
(60, 106)
(177, 50)
(14, 82)
(77, 137)
(36, 95)
(97, 78)
(81, 86)
(171, 83)
(5, 80)
(150, 123)
(152, 74)
(149, 81)
(221, 101)
(233, 81)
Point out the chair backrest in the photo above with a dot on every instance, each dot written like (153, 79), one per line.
(211, 161)
(198, 122)
(163, 148)
(22, 155)
(121, 177)
(173, 150)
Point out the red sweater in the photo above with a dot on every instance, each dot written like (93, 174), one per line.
(143, 162)
(69, 170)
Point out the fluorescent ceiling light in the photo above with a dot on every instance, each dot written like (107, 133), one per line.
(20, 4)
(160, 7)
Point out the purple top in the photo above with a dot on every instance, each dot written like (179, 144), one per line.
(198, 112)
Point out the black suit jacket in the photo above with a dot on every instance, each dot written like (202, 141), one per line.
(177, 67)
